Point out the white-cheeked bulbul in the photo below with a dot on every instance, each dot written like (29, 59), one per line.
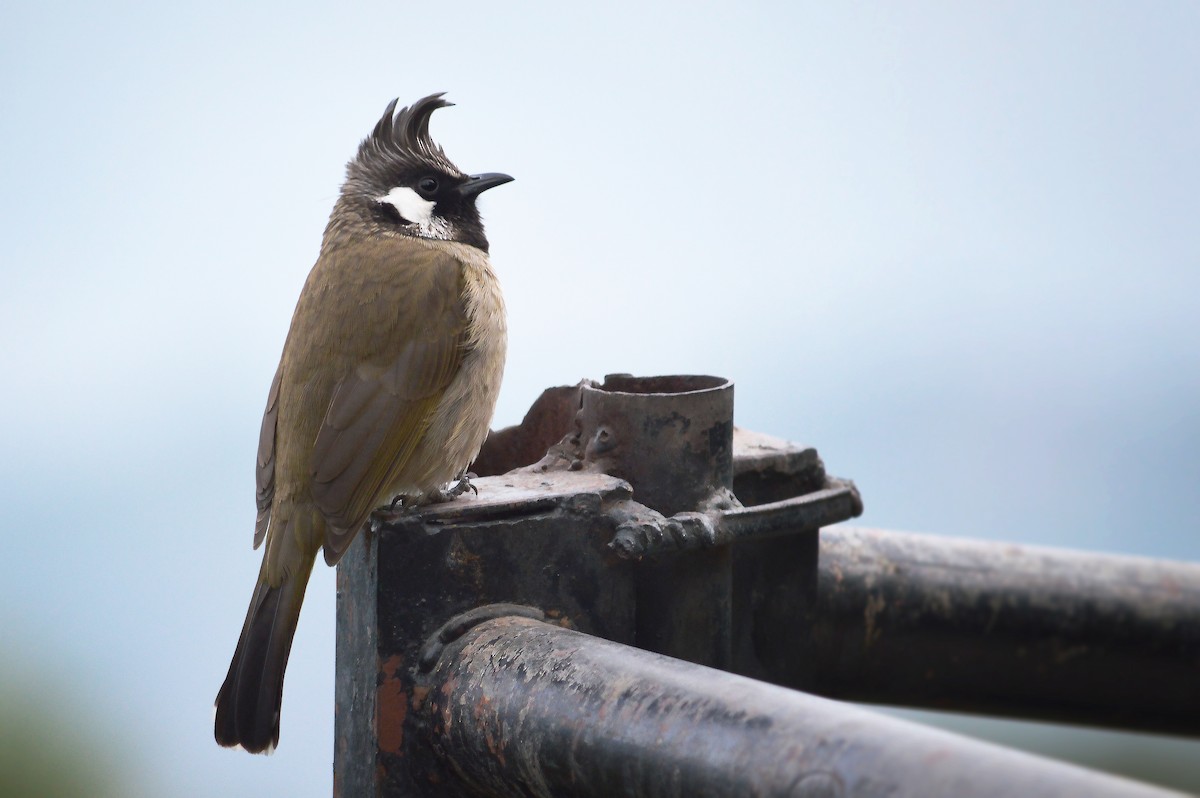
(386, 386)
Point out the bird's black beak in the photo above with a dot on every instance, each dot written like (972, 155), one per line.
(477, 184)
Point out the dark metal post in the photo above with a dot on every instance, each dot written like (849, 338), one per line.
(672, 439)
(525, 539)
(517, 707)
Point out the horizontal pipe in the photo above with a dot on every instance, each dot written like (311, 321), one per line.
(942, 622)
(518, 707)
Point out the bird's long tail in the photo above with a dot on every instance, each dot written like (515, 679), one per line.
(248, 704)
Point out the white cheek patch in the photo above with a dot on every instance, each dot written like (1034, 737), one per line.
(412, 206)
(418, 210)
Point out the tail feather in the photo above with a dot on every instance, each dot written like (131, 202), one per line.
(248, 703)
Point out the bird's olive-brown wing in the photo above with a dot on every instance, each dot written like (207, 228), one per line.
(265, 466)
(412, 322)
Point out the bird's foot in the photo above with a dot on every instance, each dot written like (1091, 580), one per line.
(404, 502)
(464, 484)
(407, 502)
(461, 486)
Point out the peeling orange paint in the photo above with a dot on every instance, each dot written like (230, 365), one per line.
(391, 706)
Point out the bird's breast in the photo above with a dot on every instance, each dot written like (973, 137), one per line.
(463, 416)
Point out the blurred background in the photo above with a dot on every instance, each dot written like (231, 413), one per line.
(954, 246)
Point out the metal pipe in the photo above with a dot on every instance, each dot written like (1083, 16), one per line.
(518, 707)
(943, 622)
(672, 439)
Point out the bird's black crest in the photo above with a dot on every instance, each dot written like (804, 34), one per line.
(402, 139)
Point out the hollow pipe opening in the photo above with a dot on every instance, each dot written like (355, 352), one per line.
(667, 384)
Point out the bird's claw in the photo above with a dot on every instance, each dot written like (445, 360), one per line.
(453, 492)
(464, 485)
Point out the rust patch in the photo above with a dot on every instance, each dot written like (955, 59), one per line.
(447, 710)
(875, 606)
(391, 706)
(460, 559)
(418, 695)
(493, 745)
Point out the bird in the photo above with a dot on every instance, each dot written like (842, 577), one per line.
(384, 392)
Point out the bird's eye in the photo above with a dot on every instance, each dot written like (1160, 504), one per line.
(428, 186)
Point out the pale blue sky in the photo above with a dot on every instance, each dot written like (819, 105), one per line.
(955, 246)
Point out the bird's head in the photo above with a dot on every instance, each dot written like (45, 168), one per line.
(402, 183)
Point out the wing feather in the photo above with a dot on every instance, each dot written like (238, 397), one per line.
(264, 476)
(381, 408)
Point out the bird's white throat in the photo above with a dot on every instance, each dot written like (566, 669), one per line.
(418, 210)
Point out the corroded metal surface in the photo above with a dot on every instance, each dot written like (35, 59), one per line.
(526, 538)
(999, 628)
(646, 533)
(554, 491)
(672, 439)
(523, 708)
(721, 564)
(669, 437)
(550, 417)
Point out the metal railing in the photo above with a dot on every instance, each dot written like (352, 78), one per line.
(586, 625)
